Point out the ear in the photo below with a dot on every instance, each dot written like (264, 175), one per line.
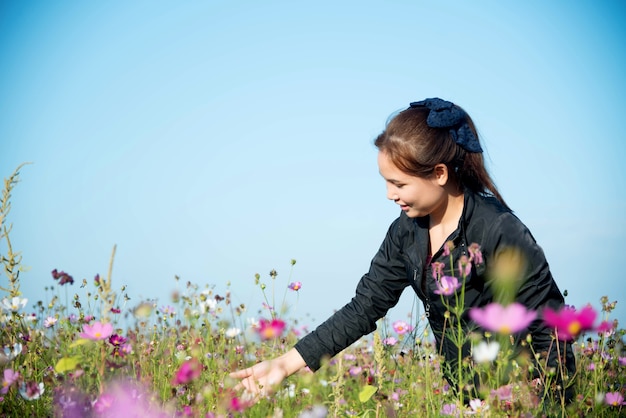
(441, 174)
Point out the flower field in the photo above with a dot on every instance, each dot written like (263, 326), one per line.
(86, 352)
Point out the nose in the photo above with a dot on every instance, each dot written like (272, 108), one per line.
(391, 193)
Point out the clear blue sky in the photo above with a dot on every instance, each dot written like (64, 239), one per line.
(217, 139)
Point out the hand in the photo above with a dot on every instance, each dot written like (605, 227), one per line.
(262, 378)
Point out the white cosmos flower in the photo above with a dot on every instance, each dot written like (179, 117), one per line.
(485, 351)
(232, 332)
(14, 305)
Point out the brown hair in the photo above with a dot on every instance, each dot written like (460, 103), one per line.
(416, 148)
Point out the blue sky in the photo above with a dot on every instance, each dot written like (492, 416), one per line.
(214, 140)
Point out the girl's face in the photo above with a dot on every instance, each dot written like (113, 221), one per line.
(417, 196)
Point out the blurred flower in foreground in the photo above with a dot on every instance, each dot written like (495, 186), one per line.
(127, 399)
(447, 285)
(14, 305)
(569, 323)
(401, 327)
(485, 351)
(270, 329)
(97, 331)
(503, 319)
(188, 371)
(295, 286)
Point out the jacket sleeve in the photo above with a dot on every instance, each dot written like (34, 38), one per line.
(377, 292)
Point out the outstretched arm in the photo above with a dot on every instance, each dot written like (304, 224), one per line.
(261, 378)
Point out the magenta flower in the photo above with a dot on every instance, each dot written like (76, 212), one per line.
(569, 323)
(97, 331)
(447, 285)
(295, 286)
(401, 327)
(503, 319)
(62, 277)
(188, 371)
(614, 399)
(270, 329)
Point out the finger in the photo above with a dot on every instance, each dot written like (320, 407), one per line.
(241, 374)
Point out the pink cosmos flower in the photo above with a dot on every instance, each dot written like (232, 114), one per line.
(401, 327)
(270, 329)
(503, 319)
(569, 323)
(447, 285)
(614, 399)
(97, 331)
(188, 371)
(10, 377)
(390, 341)
(295, 286)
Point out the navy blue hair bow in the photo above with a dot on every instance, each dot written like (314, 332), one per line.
(444, 114)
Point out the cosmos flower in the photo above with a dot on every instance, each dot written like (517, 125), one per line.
(188, 371)
(97, 331)
(485, 351)
(14, 305)
(503, 319)
(232, 332)
(62, 277)
(295, 286)
(270, 329)
(390, 341)
(447, 285)
(31, 390)
(569, 323)
(49, 322)
(9, 353)
(10, 377)
(401, 327)
(614, 399)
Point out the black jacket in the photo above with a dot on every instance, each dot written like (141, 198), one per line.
(402, 261)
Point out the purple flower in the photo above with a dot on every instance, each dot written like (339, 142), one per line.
(447, 285)
(295, 286)
(503, 319)
(450, 409)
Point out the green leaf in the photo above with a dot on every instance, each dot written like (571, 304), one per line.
(66, 364)
(366, 393)
(81, 341)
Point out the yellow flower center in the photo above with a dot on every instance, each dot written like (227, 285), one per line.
(574, 328)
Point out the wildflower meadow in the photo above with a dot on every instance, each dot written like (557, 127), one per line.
(87, 351)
